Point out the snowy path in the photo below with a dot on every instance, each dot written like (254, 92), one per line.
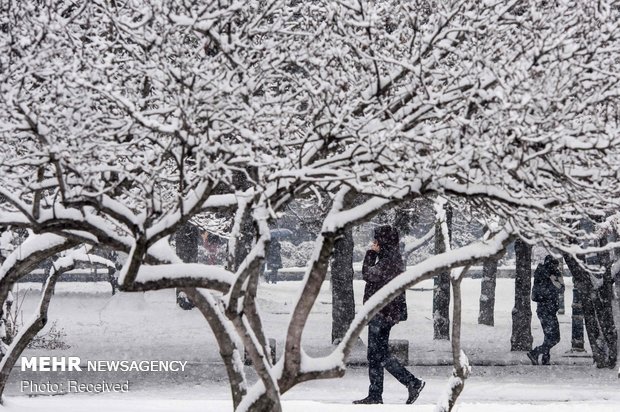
(149, 326)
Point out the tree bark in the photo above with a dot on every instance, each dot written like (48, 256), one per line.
(25, 264)
(577, 337)
(462, 369)
(343, 300)
(604, 309)
(583, 284)
(246, 320)
(522, 339)
(486, 315)
(441, 291)
(242, 244)
(224, 334)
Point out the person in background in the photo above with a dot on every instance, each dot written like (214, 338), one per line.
(213, 249)
(273, 260)
(548, 285)
(383, 262)
(187, 238)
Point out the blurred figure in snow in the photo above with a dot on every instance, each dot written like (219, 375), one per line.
(273, 260)
(383, 262)
(548, 285)
(187, 238)
(215, 253)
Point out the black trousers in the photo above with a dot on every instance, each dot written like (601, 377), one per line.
(547, 313)
(379, 357)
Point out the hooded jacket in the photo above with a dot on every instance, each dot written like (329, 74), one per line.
(548, 283)
(381, 267)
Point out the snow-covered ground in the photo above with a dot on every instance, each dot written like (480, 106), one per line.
(149, 326)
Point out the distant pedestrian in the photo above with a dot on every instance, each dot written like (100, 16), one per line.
(187, 238)
(273, 260)
(548, 285)
(383, 262)
(214, 251)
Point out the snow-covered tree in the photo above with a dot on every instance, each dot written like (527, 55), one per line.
(123, 119)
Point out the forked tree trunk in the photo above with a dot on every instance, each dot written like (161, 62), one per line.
(598, 314)
(582, 283)
(522, 339)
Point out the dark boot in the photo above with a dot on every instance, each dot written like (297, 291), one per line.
(533, 355)
(414, 390)
(369, 400)
(546, 359)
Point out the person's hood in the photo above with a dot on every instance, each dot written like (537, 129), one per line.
(551, 261)
(387, 237)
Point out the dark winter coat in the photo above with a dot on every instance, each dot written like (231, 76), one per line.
(381, 267)
(548, 283)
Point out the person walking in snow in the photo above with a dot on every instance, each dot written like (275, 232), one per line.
(548, 285)
(383, 262)
(273, 260)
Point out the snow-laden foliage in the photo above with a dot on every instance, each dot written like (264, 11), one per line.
(144, 102)
(122, 119)
(296, 255)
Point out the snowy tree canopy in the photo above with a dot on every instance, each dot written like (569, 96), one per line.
(151, 107)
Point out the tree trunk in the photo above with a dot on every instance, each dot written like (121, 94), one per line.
(604, 309)
(577, 337)
(343, 300)
(486, 315)
(583, 284)
(246, 322)
(522, 312)
(441, 291)
(461, 368)
(224, 334)
(246, 232)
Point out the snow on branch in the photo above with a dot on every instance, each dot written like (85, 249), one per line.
(40, 317)
(185, 274)
(493, 192)
(413, 244)
(344, 218)
(27, 253)
(36, 323)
